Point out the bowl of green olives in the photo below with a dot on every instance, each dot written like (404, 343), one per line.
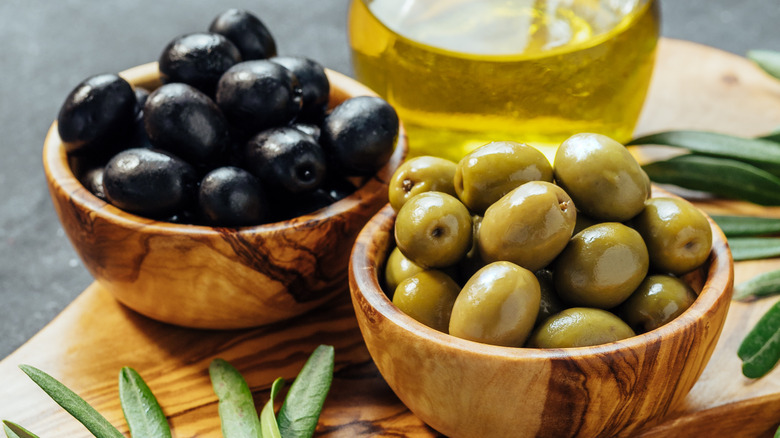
(539, 307)
(185, 267)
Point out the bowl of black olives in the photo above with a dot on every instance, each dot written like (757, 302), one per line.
(222, 186)
(507, 296)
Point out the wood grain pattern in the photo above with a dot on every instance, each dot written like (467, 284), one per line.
(86, 345)
(206, 277)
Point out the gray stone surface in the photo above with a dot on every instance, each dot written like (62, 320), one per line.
(47, 47)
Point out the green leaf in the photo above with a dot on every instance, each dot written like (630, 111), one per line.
(301, 409)
(745, 226)
(777, 433)
(761, 285)
(237, 410)
(142, 412)
(768, 60)
(267, 416)
(754, 248)
(719, 176)
(761, 153)
(72, 403)
(760, 350)
(13, 430)
(772, 136)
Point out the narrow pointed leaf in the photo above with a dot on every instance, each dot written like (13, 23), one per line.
(267, 416)
(761, 153)
(768, 60)
(761, 285)
(754, 248)
(237, 411)
(72, 403)
(719, 176)
(747, 226)
(777, 433)
(13, 430)
(143, 414)
(772, 136)
(301, 409)
(760, 350)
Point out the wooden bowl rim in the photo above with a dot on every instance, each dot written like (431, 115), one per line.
(718, 286)
(60, 174)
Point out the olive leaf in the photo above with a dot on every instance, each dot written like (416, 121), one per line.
(760, 350)
(13, 430)
(761, 285)
(72, 403)
(300, 412)
(237, 411)
(768, 60)
(267, 418)
(754, 248)
(143, 414)
(772, 136)
(720, 176)
(759, 152)
(747, 226)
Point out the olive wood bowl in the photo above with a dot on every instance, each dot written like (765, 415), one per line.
(209, 277)
(467, 389)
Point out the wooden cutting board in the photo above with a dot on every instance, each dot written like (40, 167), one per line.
(694, 87)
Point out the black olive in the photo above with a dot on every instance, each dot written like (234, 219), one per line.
(184, 121)
(141, 94)
(286, 158)
(232, 197)
(314, 83)
(256, 95)
(93, 181)
(338, 188)
(308, 128)
(198, 59)
(247, 32)
(149, 182)
(100, 107)
(359, 135)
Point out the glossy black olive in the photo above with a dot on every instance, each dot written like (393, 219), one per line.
(100, 107)
(307, 128)
(247, 32)
(314, 83)
(232, 197)
(198, 59)
(257, 95)
(149, 182)
(93, 181)
(286, 158)
(184, 121)
(359, 135)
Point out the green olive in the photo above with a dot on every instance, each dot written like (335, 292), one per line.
(398, 269)
(601, 266)
(489, 172)
(658, 300)
(529, 226)
(678, 235)
(428, 297)
(433, 229)
(498, 306)
(604, 180)
(473, 260)
(418, 175)
(579, 327)
(550, 304)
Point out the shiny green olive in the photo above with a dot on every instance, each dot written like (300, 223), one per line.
(604, 180)
(529, 226)
(658, 300)
(433, 229)
(550, 304)
(498, 306)
(418, 175)
(473, 260)
(398, 269)
(489, 172)
(428, 297)
(601, 266)
(579, 327)
(678, 235)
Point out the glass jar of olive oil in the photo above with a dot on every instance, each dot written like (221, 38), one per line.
(462, 73)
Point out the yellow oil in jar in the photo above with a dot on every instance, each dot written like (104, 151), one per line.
(462, 73)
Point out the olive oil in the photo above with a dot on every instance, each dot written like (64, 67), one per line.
(462, 73)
